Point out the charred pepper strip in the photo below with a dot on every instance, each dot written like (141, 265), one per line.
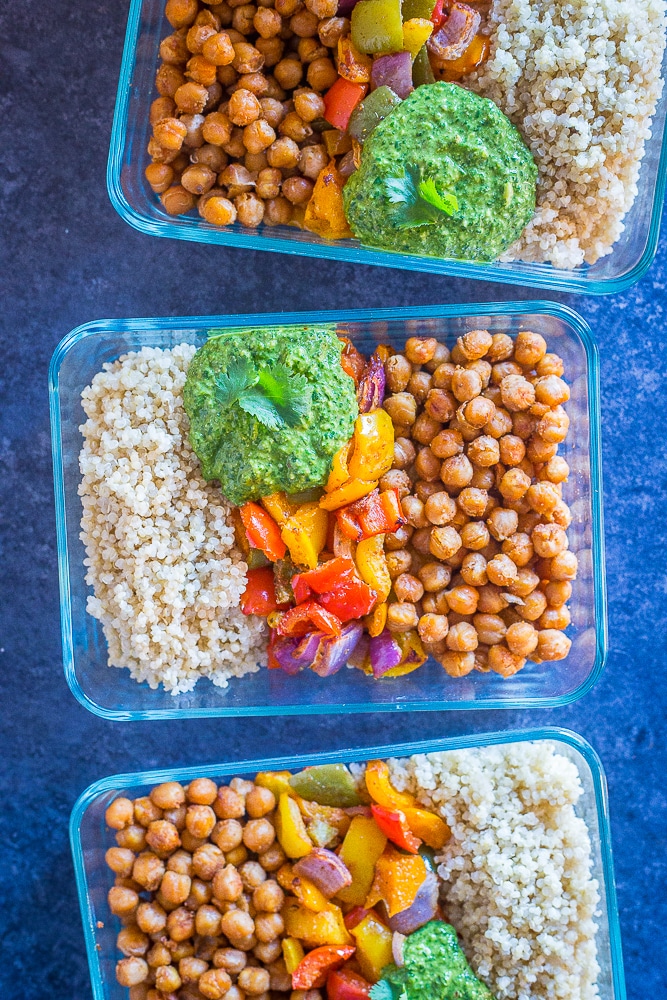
(262, 531)
(394, 825)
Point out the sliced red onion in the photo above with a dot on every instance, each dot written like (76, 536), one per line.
(456, 33)
(370, 391)
(325, 869)
(423, 909)
(342, 545)
(345, 7)
(394, 71)
(359, 811)
(385, 653)
(334, 652)
(397, 942)
(347, 166)
(296, 653)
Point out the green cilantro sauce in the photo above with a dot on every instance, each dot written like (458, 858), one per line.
(434, 968)
(249, 459)
(469, 149)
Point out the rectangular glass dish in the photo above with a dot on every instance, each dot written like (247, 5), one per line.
(112, 693)
(135, 202)
(90, 838)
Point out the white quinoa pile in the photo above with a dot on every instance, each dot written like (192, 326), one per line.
(166, 575)
(516, 874)
(580, 80)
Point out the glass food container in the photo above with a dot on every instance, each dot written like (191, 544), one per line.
(90, 838)
(133, 199)
(113, 694)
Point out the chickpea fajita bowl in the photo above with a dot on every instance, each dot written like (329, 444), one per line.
(472, 868)
(495, 140)
(317, 512)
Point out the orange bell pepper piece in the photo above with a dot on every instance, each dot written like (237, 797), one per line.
(381, 790)
(394, 824)
(352, 64)
(363, 845)
(398, 878)
(278, 506)
(309, 895)
(339, 474)
(376, 621)
(428, 827)
(313, 969)
(325, 214)
(314, 929)
(373, 438)
(305, 534)
(352, 490)
(372, 565)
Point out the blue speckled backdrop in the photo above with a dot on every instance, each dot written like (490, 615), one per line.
(67, 258)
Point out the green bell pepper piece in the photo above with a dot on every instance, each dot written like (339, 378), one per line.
(326, 784)
(377, 26)
(421, 68)
(372, 110)
(418, 8)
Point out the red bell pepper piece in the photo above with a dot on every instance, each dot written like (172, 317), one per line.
(312, 971)
(339, 589)
(355, 916)
(262, 531)
(259, 596)
(341, 100)
(375, 514)
(307, 617)
(394, 825)
(344, 984)
(271, 661)
(437, 14)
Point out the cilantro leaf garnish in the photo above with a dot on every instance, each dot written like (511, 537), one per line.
(276, 397)
(381, 990)
(420, 199)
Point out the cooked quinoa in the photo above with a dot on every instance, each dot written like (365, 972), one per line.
(161, 557)
(580, 80)
(516, 874)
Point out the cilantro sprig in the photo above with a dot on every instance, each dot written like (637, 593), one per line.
(276, 398)
(422, 203)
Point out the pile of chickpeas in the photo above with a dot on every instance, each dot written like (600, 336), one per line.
(240, 100)
(482, 569)
(195, 892)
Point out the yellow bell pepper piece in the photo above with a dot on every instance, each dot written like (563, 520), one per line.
(409, 643)
(325, 214)
(373, 438)
(276, 781)
(337, 818)
(398, 878)
(305, 534)
(363, 845)
(381, 790)
(353, 489)
(278, 506)
(376, 621)
(292, 953)
(416, 32)
(372, 565)
(309, 895)
(316, 929)
(373, 942)
(339, 474)
(291, 829)
(428, 827)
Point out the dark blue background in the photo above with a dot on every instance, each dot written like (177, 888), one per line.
(67, 258)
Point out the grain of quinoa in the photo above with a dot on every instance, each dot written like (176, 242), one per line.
(516, 875)
(161, 556)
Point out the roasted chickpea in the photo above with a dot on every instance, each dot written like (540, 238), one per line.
(119, 814)
(529, 348)
(462, 638)
(447, 443)
(175, 888)
(550, 364)
(439, 509)
(181, 13)
(207, 920)
(162, 836)
(408, 588)
(232, 960)
(167, 979)
(151, 918)
(206, 860)
(397, 480)
(398, 371)
(555, 618)
(501, 570)
(440, 405)
(499, 426)
(456, 472)
(502, 523)
(563, 566)
(554, 425)
(472, 501)
(148, 870)
(420, 384)
(491, 629)
(132, 941)
(484, 451)
(237, 927)
(168, 80)
(333, 28)
(427, 466)
(268, 927)
(556, 470)
(398, 562)
(557, 592)
(534, 605)
(131, 971)
(539, 450)
(227, 884)
(519, 548)
(475, 535)
(503, 662)
(198, 179)
(463, 599)
(122, 901)
(277, 212)
(399, 538)
(466, 384)
(433, 627)
(214, 984)
(217, 210)
(401, 617)
(444, 542)
(473, 570)
(419, 350)
(552, 645)
(478, 411)
(321, 74)
(258, 835)
(475, 344)
(250, 209)
(401, 407)
(517, 392)
(457, 664)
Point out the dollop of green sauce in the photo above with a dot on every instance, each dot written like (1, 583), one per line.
(434, 968)
(466, 145)
(249, 459)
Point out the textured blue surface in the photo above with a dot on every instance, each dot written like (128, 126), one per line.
(66, 258)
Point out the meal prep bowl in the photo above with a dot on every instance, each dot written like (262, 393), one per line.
(90, 838)
(112, 693)
(133, 199)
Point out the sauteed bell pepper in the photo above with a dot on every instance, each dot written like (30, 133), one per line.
(353, 64)
(373, 453)
(363, 845)
(352, 489)
(430, 828)
(345, 984)
(375, 622)
(327, 927)
(307, 617)
(375, 514)
(394, 824)
(339, 473)
(398, 878)
(340, 589)
(278, 506)
(373, 940)
(380, 789)
(340, 101)
(416, 32)
(292, 953)
(372, 565)
(291, 829)
(325, 214)
(262, 531)
(259, 596)
(276, 781)
(313, 969)
(305, 534)
(377, 26)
